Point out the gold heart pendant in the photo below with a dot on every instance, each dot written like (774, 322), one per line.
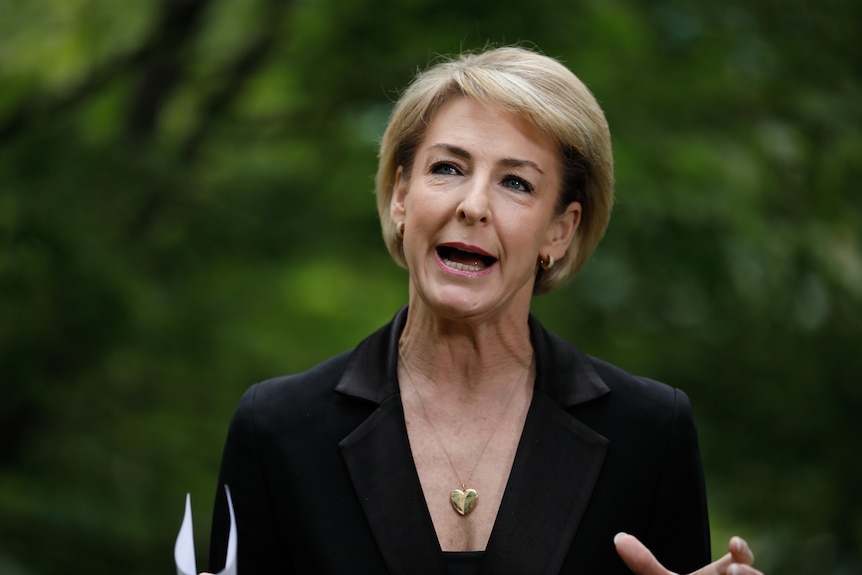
(462, 501)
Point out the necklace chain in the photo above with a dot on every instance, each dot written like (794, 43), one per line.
(437, 433)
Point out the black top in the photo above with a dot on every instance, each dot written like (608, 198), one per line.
(463, 562)
(322, 478)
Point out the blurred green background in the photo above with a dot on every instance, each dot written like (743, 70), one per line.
(186, 208)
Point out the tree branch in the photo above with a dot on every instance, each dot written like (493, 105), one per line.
(179, 23)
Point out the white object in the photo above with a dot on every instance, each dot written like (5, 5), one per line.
(184, 549)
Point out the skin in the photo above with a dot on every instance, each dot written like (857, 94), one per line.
(490, 180)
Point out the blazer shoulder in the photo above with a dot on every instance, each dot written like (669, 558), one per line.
(285, 396)
(634, 386)
(324, 375)
(643, 402)
(577, 379)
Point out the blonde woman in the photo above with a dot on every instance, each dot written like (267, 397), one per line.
(463, 437)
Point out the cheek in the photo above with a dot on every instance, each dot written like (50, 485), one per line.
(426, 212)
(523, 236)
(421, 225)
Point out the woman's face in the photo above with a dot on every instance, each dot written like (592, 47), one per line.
(479, 210)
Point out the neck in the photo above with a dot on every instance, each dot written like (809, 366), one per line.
(469, 358)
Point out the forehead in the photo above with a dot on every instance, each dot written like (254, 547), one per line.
(490, 132)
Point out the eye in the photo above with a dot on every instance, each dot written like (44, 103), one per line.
(445, 169)
(517, 184)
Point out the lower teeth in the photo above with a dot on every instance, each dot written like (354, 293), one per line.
(460, 266)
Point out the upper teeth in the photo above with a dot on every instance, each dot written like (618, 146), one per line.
(462, 267)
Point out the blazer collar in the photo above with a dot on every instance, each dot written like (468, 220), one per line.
(555, 468)
(372, 371)
(563, 372)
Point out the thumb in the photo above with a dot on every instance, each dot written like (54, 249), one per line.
(637, 557)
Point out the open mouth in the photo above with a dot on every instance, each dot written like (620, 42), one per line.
(464, 260)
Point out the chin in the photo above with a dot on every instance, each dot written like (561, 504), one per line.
(454, 303)
(469, 305)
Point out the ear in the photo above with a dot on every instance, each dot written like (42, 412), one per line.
(562, 230)
(398, 203)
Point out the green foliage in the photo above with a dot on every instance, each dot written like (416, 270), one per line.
(186, 207)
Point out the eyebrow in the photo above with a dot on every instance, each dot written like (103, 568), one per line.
(508, 162)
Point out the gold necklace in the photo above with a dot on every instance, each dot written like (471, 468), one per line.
(463, 500)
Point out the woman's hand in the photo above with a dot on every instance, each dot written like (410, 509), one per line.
(641, 561)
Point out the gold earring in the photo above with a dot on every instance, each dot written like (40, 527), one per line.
(399, 231)
(546, 265)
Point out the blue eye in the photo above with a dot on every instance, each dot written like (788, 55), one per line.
(518, 184)
(445, 169)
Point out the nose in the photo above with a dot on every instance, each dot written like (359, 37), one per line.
(475, 206)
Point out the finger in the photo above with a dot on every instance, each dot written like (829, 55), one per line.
(720, 566)
(740, 551)
(637, 557)
(739, 569)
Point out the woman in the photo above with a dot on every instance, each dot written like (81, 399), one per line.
(463, 437)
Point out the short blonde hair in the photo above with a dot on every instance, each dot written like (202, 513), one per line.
(535, 87)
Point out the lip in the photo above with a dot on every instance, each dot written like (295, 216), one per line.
(466, 248)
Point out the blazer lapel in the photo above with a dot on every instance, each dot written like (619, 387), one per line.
(555, 469)
(556, 466)
(378, 457)
(380, 463)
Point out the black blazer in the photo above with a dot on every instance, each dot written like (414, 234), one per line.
(323, 481)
